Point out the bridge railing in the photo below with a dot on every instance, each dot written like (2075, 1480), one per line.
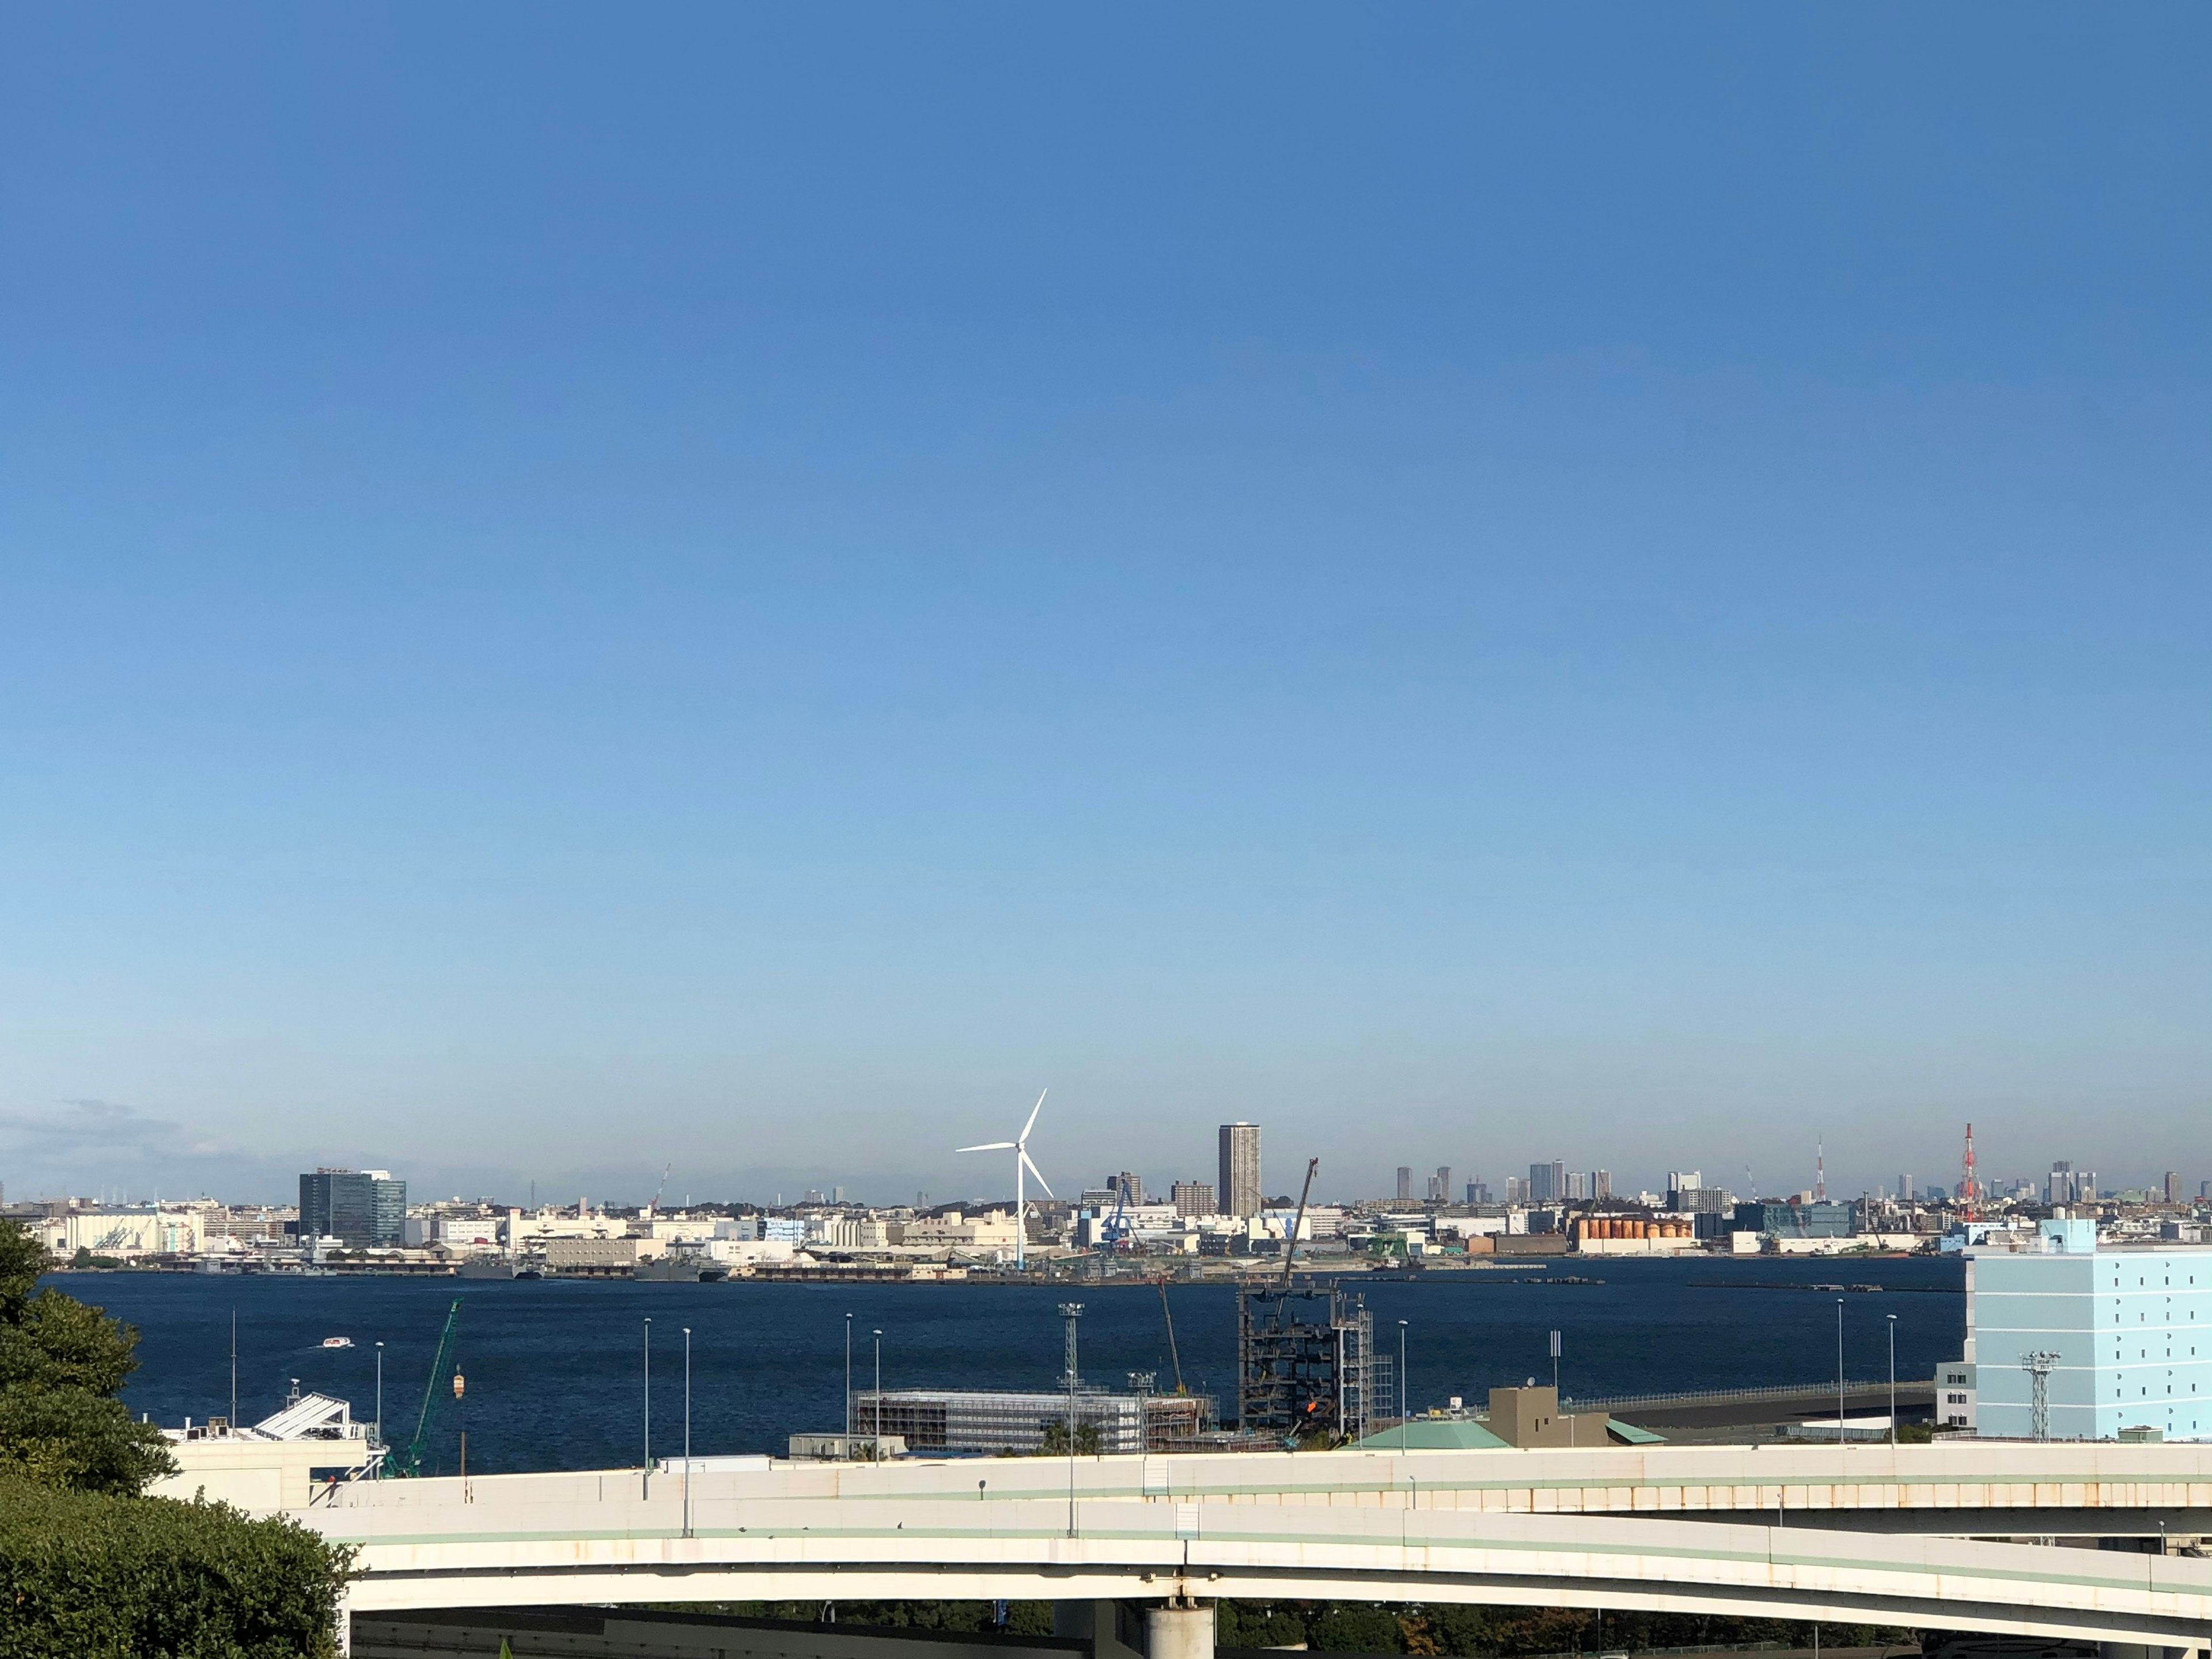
(1765, 1391)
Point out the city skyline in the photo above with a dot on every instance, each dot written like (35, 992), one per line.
(1504, 1181)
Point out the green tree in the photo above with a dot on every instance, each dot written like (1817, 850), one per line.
(1055, 1439)
(61, 1364)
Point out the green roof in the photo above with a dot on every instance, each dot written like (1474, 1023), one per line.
(1633, 1434)
(1431, 1434)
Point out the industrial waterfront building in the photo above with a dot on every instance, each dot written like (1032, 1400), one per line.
(2072, 1342)
(991, 1421)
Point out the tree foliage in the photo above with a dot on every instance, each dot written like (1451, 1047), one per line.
(90, 1575)
(61, 1364)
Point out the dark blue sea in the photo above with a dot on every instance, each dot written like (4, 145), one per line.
(555, 1367)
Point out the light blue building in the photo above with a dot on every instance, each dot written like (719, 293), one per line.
(2124, 1335)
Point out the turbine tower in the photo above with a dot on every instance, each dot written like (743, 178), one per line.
(1019, 1147)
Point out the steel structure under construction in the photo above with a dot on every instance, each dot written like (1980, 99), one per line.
(1306, 1363)
(990, 1420)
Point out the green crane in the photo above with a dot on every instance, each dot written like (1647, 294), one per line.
(410, 1463)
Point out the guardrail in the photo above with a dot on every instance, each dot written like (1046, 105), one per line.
(1765, 1391)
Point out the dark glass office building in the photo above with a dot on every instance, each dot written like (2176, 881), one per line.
(360, 1209)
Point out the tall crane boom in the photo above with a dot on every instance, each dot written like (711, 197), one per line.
(410, 1463)
(1173, 1359)
(1290, 1244)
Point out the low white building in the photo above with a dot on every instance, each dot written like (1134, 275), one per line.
(125, 1235)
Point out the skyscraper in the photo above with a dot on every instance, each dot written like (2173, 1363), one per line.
(1239, 1190)
(1601, 1183)
(1405, 1182)
(358, 1207)
(1442, 1185)
(1547, 1183)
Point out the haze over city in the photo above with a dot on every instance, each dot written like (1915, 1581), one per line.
(731, 590)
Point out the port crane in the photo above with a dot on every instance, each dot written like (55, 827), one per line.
(1166, 1313)
(410, 1461)
(1290, 1244)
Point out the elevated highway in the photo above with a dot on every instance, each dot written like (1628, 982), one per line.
(1797, 1532)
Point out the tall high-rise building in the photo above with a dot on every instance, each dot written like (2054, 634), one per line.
(1127, 1184)
(2173, 1186)
(1405, 1182)
(1440, 1188)
(1601, 1183)
(1193, 1199)
(1478, 1192)
(1579, 1186)
(1905, 1193)
(1240, 1169)
(1679, 1180)
(1547, 1183)
(358, 1207)
(1516, 1190)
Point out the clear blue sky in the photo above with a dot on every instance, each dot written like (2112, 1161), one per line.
(584, 586)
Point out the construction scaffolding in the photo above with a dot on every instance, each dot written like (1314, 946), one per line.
(1305, 1364)
(990, 1420)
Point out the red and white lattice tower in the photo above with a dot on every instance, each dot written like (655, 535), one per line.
(1967, 1191)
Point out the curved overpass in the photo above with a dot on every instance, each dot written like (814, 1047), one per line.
(1737, 1530)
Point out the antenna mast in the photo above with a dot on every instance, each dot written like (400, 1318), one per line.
(1967, 1190)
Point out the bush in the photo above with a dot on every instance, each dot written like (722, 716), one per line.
(61, 1364)
(89, 1575)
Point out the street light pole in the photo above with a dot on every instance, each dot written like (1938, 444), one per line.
(647, 1483)
(379, 1404)
(687, 1431)
(1401, 1371)
(1839, 1370)
(1893, 1379)
(848, 1385)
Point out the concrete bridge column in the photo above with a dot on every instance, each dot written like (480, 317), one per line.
(1179, 1630)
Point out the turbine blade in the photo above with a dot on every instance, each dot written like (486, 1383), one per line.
(989, 1146)
(1034, 1110)
(1039, 1173)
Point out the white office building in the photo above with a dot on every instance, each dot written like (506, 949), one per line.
(2120, 1339)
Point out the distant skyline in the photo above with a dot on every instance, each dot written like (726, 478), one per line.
(751, 588)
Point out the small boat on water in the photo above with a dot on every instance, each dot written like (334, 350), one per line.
(338, 1342)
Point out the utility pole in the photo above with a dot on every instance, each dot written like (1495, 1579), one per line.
(1401, 1372)
(1893, 1379)
(1071, 1311)
(687, 1429)
(2038, 1366)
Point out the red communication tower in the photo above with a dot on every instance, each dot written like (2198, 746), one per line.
(1967, 1191)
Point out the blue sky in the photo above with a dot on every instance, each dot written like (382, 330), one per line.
(582, 588)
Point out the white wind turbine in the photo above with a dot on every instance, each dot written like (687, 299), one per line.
(1019, 1147)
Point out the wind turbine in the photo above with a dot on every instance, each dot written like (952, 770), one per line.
(1019, 1147)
